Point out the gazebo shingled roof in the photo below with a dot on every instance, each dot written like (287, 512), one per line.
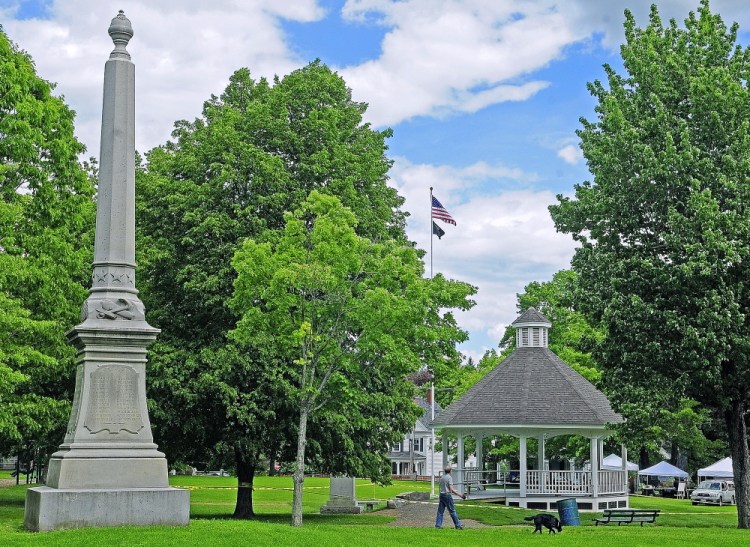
(531, 315)
(532, 387)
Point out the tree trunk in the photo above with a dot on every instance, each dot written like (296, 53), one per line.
(643, 458)
(299, 468)
(674, 453)
(738, 445)
(245, 477)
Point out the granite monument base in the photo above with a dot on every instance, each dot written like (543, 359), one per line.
(106, 473)
(343, 499)
(348, 508)
(55, 509)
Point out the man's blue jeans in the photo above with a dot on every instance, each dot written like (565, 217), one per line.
(446, 502)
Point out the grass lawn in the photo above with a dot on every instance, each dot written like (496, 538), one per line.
(212, 503)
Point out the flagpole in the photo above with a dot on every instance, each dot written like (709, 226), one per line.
(432, 433)
(431, 232)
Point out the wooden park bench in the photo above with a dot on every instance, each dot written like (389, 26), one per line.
(626, 516)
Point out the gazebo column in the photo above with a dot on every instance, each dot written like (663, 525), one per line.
(540, 461)
(461, 471)
(445, 449)
(480, 453)
(594, 459)
(624, 456)
(479, 437)
(522, 466)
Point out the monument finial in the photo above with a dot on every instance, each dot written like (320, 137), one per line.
(121, 31)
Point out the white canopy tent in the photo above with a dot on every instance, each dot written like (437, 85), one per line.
(663, 469)
(719, 470)
(614, 462)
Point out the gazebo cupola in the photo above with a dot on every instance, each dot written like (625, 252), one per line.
(532, 329)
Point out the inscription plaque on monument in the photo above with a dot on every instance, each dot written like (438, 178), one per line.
(113, 400)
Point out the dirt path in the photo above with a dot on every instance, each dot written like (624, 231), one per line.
(421, 514)
(7, 482)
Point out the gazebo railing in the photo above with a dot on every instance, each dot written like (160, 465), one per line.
(545, 482)
(558, 482)
(612, 482)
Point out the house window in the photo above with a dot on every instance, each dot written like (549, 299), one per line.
(396, 447)
(419, 445)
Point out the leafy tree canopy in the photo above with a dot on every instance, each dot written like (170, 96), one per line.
(46, 228)
(347, 320)
(664, 226)
(256, 153)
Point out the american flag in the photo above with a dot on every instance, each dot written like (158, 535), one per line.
(439, 212)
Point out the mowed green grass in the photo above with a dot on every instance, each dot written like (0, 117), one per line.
(212, 504)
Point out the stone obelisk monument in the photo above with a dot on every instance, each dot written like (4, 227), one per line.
(108, 471)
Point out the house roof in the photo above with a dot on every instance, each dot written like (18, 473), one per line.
(532, 387)
(416, 456)
(426, 417)
(531, 315)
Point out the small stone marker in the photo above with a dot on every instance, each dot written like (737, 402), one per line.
(343, 497)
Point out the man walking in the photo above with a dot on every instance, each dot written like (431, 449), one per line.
(446, 500)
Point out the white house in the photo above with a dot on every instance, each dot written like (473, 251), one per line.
(414, 454)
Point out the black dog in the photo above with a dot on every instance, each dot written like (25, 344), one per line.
(548, 521)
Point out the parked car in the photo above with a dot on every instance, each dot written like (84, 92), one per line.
(715, 491)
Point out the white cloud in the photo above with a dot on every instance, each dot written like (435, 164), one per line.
(475, 101)
(444, 56)
(606, 18)
(570, 154)
(183, 51)
(438, 57)
(503, 240)
(454, 55)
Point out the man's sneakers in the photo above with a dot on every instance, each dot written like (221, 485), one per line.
(459, 527)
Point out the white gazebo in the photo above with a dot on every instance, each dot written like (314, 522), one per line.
(533, 394)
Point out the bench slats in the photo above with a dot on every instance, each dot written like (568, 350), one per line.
(627, 516)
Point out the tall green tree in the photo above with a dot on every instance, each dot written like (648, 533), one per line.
(664, 228)
(654, 423)
(346, 319)
(256, 152)
(46, 224)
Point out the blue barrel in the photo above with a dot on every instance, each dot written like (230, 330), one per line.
(568, 510)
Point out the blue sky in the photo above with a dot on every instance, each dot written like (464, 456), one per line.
(484, 97)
